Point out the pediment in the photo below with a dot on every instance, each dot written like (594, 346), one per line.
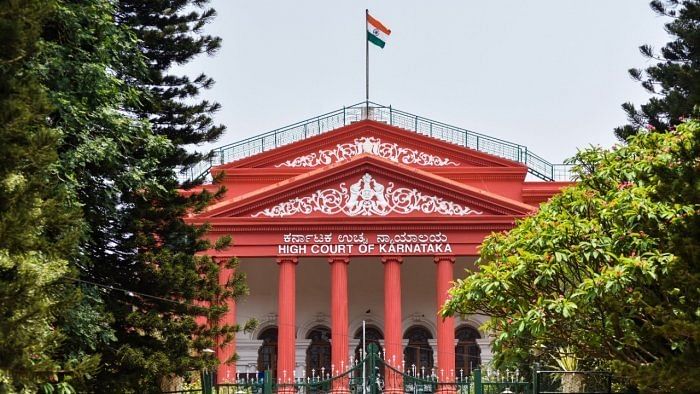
(372, 138)
(367, 186)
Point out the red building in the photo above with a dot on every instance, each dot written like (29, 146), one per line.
(364, 214)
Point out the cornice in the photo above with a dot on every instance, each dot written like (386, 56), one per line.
(256, 175)
(340, 227)
(247, 225)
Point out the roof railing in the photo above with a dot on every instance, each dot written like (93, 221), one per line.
(536, 165)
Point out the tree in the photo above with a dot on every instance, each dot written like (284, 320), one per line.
(674, 81)
(159, 251)
(81, 126)
(102, 150)
(155, 247)
(170, 33)
(122, 139)
(40, 227)
(608, 268)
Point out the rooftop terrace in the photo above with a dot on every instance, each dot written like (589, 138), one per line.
(537, 166)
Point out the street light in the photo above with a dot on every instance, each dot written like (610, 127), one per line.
(207, 382)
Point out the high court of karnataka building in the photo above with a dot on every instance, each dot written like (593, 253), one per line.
(363, 214)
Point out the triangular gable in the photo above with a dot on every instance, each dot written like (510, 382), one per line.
(370, 137)
(367, 186)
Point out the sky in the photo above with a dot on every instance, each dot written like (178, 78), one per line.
(547, 74)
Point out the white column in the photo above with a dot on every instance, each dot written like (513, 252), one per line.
(433, 345)
(485, 347)
(352, 345)
(300, 356)
(247, 350)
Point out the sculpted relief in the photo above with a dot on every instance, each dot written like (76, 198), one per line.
(367, 197)
(371, 145)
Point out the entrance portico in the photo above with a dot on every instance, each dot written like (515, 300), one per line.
(317, 290)
(365, 223)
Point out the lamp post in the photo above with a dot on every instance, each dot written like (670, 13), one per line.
(207, 377)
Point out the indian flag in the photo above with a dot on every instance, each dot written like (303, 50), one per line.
(377, 33)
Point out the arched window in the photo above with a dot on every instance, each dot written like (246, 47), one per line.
(267, 354)
(372, 334)
(318, 354)
(418, 351)
(467, 352)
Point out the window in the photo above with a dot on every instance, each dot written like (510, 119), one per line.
(318, 354)
(418, 352)
(467, 352)
(267, 354)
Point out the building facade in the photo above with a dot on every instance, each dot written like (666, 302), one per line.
(364, 221)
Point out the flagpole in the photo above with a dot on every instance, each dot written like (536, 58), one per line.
(366, 64)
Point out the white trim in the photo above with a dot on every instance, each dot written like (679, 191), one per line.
(367, 197)
(371, 319)
(269, 320)
(369, 145)
(474, 321)
(319, 319)
(416, 319)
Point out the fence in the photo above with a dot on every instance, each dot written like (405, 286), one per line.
(375, 374)
(383, 376)
(536, 165)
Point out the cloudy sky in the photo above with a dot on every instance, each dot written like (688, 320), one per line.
(548, 74)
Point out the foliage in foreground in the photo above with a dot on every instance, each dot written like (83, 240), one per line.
(609, 268)
(96, 263)
(40, 229)
(124, 129)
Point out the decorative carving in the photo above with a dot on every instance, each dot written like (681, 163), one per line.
(320, 317)
(371, 145)
(367, 197)
(417, 317)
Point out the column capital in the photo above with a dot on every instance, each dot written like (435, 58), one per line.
(386, 259)
(338, 259)
(438, 259)
(287, 259)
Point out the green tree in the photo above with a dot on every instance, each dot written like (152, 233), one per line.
(608, 268)
(102, 150)
(155, 248)
(40, 227)
(123, 133)
(674, 80)
(170, 33)
(88, 133)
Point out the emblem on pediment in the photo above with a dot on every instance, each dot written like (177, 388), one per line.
(371, 145)
(367, 197)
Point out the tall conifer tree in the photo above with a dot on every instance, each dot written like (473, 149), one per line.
(170, 33)
(150, 250)
(119, 159)
(674, 80)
